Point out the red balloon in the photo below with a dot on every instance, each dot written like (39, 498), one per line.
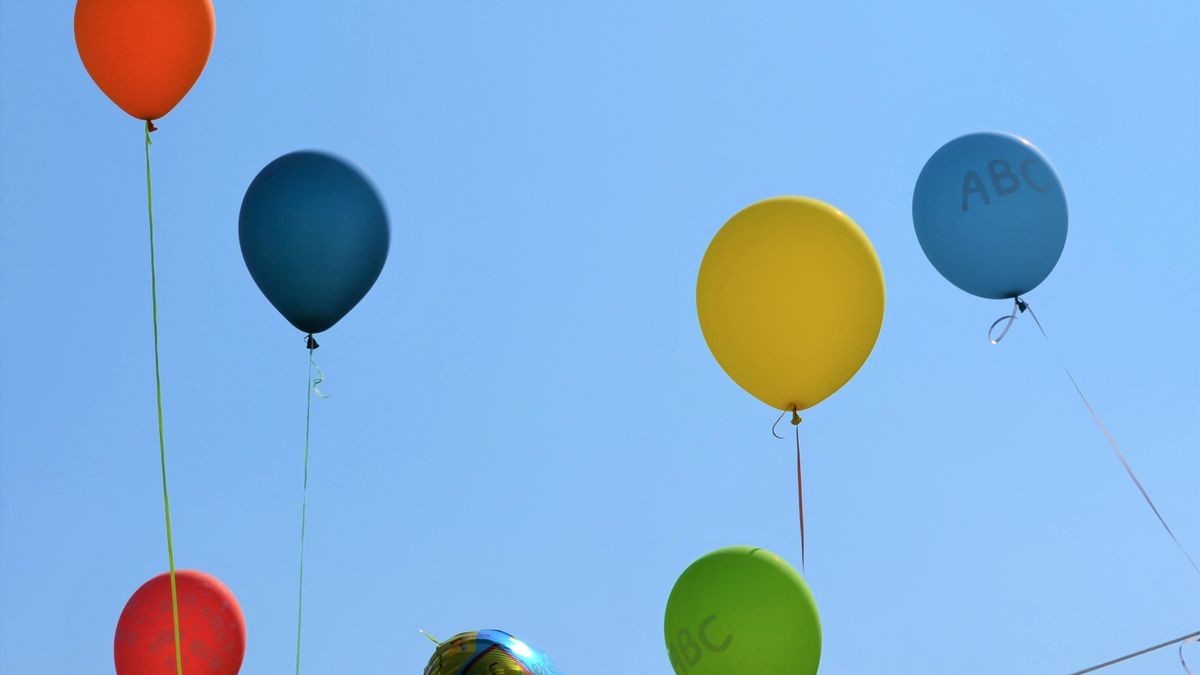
(212, 629)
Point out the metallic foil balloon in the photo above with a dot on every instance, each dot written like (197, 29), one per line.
(488, 652)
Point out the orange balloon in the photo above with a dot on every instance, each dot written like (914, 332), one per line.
(145, 54)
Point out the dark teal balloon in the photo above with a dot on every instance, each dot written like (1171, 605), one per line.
(314, 235)
(991, 214)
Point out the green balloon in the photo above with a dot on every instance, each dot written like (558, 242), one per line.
(742, 611)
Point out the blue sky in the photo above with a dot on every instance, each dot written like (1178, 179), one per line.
(527, 431)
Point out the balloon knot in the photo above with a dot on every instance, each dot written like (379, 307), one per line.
(795, 416)
(150, 126)
(1022, 305)
(310, 342)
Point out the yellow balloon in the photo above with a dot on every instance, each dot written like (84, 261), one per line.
(790, 298)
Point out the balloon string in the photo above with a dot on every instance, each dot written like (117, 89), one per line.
(1112, 441)
(1194, 637)
(162, 444)
(310, 386)
(431, 638)
(799, 473)
(799, 488)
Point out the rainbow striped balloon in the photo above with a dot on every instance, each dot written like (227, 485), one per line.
(488, 652)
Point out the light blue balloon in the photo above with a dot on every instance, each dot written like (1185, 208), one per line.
(991, 214)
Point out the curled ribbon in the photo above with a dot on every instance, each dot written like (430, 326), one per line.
(1019, 307)
(1193, 639)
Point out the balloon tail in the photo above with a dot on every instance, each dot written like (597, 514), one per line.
(150, 126)
(1019, 306)
(799, 487)
(431, 638)
(311, 387)
(777, 421)
(1181, 641)
(311, 343)
(1023, 306)
(162, 444)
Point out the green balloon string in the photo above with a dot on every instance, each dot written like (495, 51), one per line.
(162, 445)
(310, 385)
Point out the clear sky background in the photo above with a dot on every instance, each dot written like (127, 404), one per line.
(527, 431)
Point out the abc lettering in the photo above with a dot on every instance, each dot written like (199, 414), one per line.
(707, 643)
(690, 651)
(1004, 181)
